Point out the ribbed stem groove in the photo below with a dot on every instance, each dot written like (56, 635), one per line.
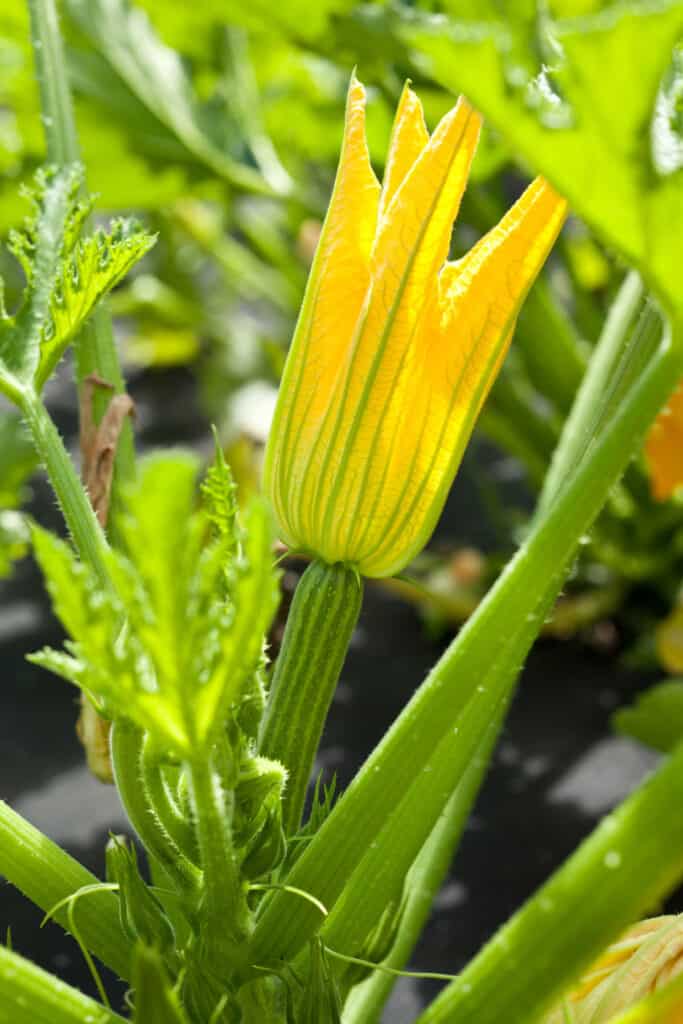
(321, 622)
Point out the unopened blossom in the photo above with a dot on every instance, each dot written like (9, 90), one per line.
(396, 348)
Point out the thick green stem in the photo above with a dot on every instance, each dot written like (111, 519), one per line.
(46, 874)
(380, 877)
(29, 995)
(423, 882)
(598, 381)
(321, 622)
(226, 913)
(83, 526)
(625, 867)
(95, 348)
(126, 752)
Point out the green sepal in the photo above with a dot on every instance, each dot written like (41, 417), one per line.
(258, 816)
(142, 915)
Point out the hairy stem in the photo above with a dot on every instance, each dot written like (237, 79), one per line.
(321, 622)
(95, 347)
(126, 751)
(84, 528)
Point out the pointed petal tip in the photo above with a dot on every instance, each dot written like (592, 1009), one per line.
(461, 120)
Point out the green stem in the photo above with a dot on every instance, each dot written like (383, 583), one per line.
(489, 649)
(225, 910)
(321, 622)
(548, 345)
(55, 96)
(126, 753)
(625, 867)
(84, 528)
(95, 347)
(597, 382)
(380, 877)
(46, 874)
(29, 995)
(423, 883)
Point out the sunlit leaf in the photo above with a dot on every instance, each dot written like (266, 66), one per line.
(599, 127)
(66, 276)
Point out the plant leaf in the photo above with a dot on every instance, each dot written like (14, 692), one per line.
(95, 266)
(66, 276)
(656, 718)
(181, 635)
(155, 76)
(599, 153)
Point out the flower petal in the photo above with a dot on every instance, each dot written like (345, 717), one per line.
(334, 295)
(453, 362)
(409, 136)
(664, 448)
(412, 243)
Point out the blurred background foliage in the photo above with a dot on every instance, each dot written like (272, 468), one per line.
(219, 122)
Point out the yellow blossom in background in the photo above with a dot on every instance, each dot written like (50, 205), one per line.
(396, 348)
(664, 448)
(643, 961)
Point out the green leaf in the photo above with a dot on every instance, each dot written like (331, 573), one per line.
(656, 718)
(29, 995)
(66, 276)
(597, 133)
(95, 266)
(155, 77)
(156, 1001)
(180, 636)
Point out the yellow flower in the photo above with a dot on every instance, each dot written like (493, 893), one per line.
(396, 349)
(664, 448)
(641, 962)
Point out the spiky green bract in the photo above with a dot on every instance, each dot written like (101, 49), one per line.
(66, 276)
(178, 641)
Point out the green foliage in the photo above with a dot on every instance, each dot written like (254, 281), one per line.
(135, 73)
(656, 718)
(179, 640)
(607, 155)
(66, 276)
(17, 462)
